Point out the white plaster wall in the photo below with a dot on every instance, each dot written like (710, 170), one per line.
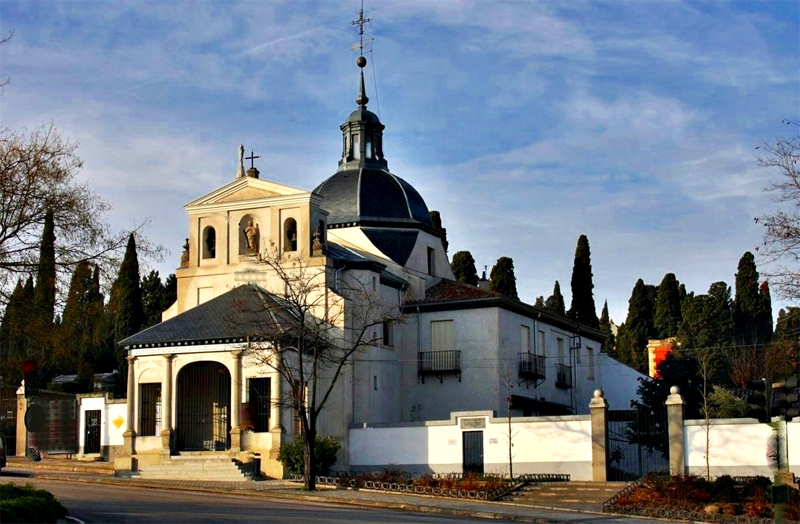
(738, 447)
(475, 334)
(540, 445)
(111, 411)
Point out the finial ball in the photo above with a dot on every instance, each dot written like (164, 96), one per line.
(674, 390)
(361, 62)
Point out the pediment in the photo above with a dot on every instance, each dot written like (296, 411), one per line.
(247, 190)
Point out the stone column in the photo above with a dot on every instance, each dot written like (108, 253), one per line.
(166, 408)
(598, 408)
(126, 460)
(236, 401)
(675, 431)
(276, 414)
(22, 431)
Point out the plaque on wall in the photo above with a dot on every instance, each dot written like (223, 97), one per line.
(473, 423)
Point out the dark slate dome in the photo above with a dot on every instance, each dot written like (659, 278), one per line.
(368, 196)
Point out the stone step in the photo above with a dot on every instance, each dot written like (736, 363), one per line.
(585, 495)
(205, 468)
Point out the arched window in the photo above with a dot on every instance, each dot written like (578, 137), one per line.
(290, 235)
(209, 242)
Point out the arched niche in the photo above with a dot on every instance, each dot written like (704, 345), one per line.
(249, 235)
(209, 242)
(290, 234)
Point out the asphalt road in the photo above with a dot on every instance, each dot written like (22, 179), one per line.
(95, 503)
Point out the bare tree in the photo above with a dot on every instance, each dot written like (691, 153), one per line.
(38, 173)
(4, 83)
(316, 321)
(782, 236)
(510, 433)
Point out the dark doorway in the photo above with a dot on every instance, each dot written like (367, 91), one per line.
(473, 452)
(91, 432)
(203, 407)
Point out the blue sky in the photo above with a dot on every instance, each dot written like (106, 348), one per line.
(526, 124)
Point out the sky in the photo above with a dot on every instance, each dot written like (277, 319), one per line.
(524, 123)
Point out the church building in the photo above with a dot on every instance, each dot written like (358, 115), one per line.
(208, 378)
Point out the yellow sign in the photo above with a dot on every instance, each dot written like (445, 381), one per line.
(118, 421)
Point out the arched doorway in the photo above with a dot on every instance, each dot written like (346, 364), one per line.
(203, 407)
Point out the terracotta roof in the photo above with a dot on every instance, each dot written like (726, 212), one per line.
(450, 290)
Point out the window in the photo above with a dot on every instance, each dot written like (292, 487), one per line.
(150, 410)
(290, 235)
(590, 358)
(356, 146)
(388, 334)
(369, 148)
(540, 347)
(259, 403)
(209, 242)
(560, 349)
(431, 260)
(442, 335)
(525, 339)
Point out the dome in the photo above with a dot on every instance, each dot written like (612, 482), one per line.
(362, 115)
(374, 197)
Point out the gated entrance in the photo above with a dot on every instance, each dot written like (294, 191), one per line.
(637, 443)
(203, 407)
(472, 452)
(91, 432)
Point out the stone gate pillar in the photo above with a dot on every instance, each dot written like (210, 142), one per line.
(675, 430)
(166, 408)
(599, 412)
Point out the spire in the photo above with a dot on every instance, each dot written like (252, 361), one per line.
(362, 100)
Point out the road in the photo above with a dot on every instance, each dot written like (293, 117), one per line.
(95, 503)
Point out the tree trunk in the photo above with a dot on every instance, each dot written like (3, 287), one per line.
(309, 463)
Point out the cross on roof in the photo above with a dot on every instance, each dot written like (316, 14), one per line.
(252, 158)
(361, 20)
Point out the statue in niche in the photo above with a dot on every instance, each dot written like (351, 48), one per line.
(251, 233)
(185, 254)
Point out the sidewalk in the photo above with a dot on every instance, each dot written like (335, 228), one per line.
(74, 471)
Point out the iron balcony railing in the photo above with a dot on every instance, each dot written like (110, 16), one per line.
(563, 376)
(438, 363)
(531, 366)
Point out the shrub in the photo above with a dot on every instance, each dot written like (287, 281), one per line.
(724, 489)
(27, 504)
(393, 474)
(292, 453)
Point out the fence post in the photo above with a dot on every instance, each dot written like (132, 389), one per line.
(675, 430)
(598, 408)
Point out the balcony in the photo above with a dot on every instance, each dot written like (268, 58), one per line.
(563, 376)
(531, 369)
(438, 363)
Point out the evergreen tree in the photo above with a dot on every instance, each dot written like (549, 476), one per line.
(153, 299)
(14, 333)
(752, 306)
(44, 299)
(667, 315)
(583, 309)
(75, 333)
(463, 267)
(765, 313)
(436, 220)
(502, 279)
(129, 309)
(707, 329)
(539, 304)
(605, 326)
(170, 290)
(555, 302)
(637, 329)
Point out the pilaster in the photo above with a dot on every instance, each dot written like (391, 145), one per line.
(598, 407)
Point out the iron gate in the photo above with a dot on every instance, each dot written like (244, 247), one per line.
(473, 452)
(204, 404)
(91, 432)
(637, 444)
(8, 418)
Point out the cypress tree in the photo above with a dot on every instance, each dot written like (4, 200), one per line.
(463, 267)
(583, 309)
(667, 315)
(502, 279)
(605, 327)
(153, 298)
(765, 312)
(44, 299)
(129, 310)
(638, 328)
(555, 302)
(436, 220)
(752, 305)
(14, 333)
(74, 335)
